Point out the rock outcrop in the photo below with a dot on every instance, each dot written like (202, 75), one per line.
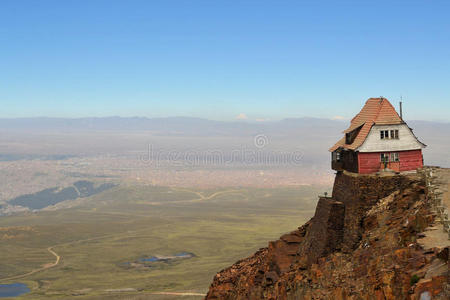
(362, 243)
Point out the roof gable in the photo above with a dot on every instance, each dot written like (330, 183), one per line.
(376, 111)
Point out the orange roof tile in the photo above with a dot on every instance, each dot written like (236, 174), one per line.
(376, 111)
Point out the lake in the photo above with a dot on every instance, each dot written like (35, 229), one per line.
(13, 290)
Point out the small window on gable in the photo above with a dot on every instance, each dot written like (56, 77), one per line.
(389, 134)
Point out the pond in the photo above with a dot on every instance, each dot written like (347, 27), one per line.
(13, 290)
(155, 261)
(181, 255)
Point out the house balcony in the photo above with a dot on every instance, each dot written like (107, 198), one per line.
(337, 165)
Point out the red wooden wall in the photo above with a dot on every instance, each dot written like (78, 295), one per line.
(371, 162)
(410, 160)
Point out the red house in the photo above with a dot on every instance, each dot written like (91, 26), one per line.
(377, 139)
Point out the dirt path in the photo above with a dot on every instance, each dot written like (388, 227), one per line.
(57, 258)
(200, 198)
(205, 198)
(44, 267)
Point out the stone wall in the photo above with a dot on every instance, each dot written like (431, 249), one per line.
(359, 193)
(326, 232)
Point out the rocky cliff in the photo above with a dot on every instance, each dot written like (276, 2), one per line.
(362, 243)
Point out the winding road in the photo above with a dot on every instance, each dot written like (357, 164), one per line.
(44, 267)
(58, 257)
(203, 197)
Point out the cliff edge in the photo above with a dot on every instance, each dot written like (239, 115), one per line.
(362, 243)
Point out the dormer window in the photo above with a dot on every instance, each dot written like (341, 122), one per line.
(351, 136)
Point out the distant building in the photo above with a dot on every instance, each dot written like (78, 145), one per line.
(377, 139)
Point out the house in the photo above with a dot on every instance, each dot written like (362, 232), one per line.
(377, 139)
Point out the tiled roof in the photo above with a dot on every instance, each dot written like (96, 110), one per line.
(376, 111)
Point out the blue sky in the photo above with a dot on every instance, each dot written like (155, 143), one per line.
(218, 59)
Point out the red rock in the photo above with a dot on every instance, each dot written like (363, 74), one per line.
(344, 252)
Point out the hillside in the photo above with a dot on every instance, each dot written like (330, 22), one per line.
(373, 239)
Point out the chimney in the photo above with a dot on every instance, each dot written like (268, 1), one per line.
(401, 112)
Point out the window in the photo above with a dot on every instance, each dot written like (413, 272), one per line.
(389, 157)
(394, 157)
(336, 156)
(351, 136)
(384, 134)
(389, 134)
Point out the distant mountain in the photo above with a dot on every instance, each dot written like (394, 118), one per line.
(183, 124)
(313, 135)
(180, 125)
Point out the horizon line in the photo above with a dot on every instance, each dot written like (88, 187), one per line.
(248, 120)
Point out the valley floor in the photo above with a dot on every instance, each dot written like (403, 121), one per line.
(94, 250)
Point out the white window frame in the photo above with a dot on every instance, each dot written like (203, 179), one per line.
(389, 134)
(396, 134)
(394, 157)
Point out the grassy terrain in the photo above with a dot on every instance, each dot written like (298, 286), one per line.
(95, 240)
